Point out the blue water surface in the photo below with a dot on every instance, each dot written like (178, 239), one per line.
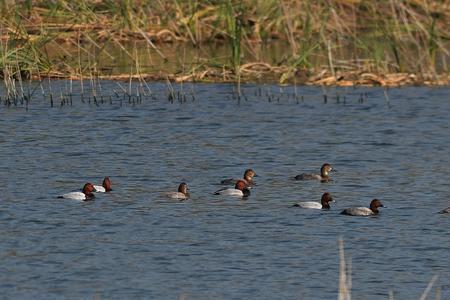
(134, 243)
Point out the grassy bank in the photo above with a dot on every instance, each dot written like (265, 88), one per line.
(340, 42)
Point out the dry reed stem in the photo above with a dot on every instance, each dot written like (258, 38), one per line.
(344, 274)
(429, 286)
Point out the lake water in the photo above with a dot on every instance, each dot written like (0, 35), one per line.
(136, 243)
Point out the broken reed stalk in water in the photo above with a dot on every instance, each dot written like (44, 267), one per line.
(429, 286)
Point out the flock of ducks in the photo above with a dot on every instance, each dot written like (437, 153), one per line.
(88, 190)
(241, 189)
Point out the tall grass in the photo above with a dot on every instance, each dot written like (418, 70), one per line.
(233, 18)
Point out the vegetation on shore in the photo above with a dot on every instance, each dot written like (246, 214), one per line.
(327, 42)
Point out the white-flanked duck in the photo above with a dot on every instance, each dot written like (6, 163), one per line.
(241, 189)
(364, 211)
(323, 204)
(85, 195)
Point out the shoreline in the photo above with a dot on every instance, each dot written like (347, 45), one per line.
(324, 78)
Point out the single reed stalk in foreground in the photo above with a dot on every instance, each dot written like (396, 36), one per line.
(345, 279)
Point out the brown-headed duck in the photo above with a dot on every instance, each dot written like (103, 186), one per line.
(323, 204)
(241, 189)
(324, 174)
(364, 211)
(182, 193)
(248, 178)
(85, 195)
(105, 187)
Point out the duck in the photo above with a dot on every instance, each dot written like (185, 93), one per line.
(182, 193)
(85, 195)
(323, 204)
(241, 189)
(324, 174)
(105, 187)
(364, 211)
(445, 211)
(248, 178)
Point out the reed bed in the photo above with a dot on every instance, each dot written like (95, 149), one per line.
(134, 90)
(333, 42)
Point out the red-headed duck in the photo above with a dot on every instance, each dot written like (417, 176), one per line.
(248, 178)
(105, 187)
(324, 203)
(85, 195)
(182, 193)
(364, 211)
(324, 174)
(241, 189)
(445, 211)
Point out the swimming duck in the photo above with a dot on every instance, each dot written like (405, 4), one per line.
(105, 187)
(324, 203)
(445, 211)
(85, 195)
(364, 211)
(182, 193)
(248, 177)
(324, 174)
(241, 189)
